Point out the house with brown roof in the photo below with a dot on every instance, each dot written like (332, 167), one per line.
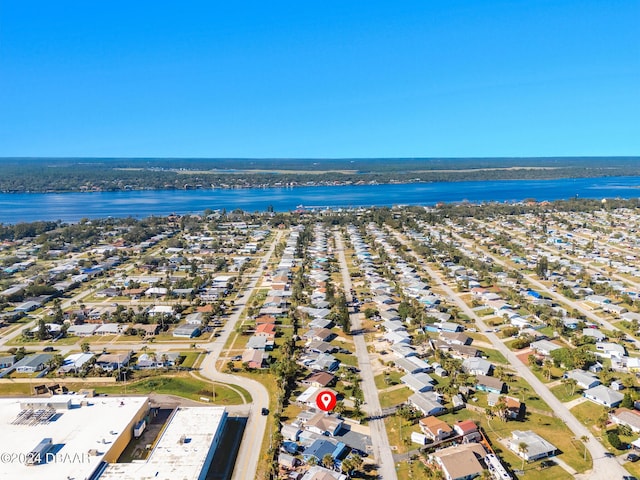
(265, 330)
(469, 431)
(490, 384)
(265, 319)
(465, 427)
(624, 416)
(456, 338)
(148, 330)
(319, 379)
(461, 462)
(515, 410)
(324, 424)
(255, 358)
(435, 429)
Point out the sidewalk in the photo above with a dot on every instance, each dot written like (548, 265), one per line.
(575, 402)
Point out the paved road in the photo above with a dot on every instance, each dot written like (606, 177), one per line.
(557, 296)
(562, 253)
(250, 449)
(379, 440)
(603, 468)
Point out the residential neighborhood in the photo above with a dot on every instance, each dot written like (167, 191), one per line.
(454, 351)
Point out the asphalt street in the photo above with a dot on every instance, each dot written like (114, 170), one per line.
(380, 441)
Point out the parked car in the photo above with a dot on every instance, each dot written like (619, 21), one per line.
(264, 411)
(632, 457)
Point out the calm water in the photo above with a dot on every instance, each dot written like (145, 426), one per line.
(74, 206)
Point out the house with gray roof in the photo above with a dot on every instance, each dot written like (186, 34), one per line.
(624, 416)
(402, 350)
(490, 384)
(604, 396)
(407, 366)
(426, 405)
(477, 366)
(418, 382)
(537, 447)
(544, 347)
(7, 361)
(186, 331)
(594, 333)
(32, 363)
(583, 379)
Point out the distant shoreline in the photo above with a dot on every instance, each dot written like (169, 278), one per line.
(46, 175)
(318, 185)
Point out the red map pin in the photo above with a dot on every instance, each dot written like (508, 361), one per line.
(326, 400)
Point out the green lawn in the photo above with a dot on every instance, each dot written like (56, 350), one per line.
(398, 430)
(189, 359)
(395, 397)
(550, 428)
(347, 359)
(633, 468)
(413, 471)
(394, 378)
(563, 393)
(588, 414)
(183, 386)
(7, 389)
(520, 389)
(494, 356)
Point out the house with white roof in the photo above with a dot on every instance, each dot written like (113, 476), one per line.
(609, 350)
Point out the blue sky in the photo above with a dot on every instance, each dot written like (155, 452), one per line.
(319, 78)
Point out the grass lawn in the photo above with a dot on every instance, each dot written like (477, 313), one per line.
(394, 378)
(633, 468)
(494, 356)
(16, 389)
(399, 429)
(520, 389)
(394, 397)
(556, 374)
(588, 413)
(189, 359)
(347, 359)
(413, 471)
(551, 429)
(183, 386)
(562, 393)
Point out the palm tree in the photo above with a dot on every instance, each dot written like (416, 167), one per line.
(523, 449)
(328, 461)
(547, 369)
(569, 383)
(584, 439)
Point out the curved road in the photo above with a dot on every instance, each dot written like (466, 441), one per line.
(250, 449)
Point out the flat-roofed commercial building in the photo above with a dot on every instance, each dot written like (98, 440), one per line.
(184, 450)
(84, 432)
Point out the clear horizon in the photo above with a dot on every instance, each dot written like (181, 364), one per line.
(319, 80)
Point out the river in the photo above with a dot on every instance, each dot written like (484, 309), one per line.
(71, 207)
